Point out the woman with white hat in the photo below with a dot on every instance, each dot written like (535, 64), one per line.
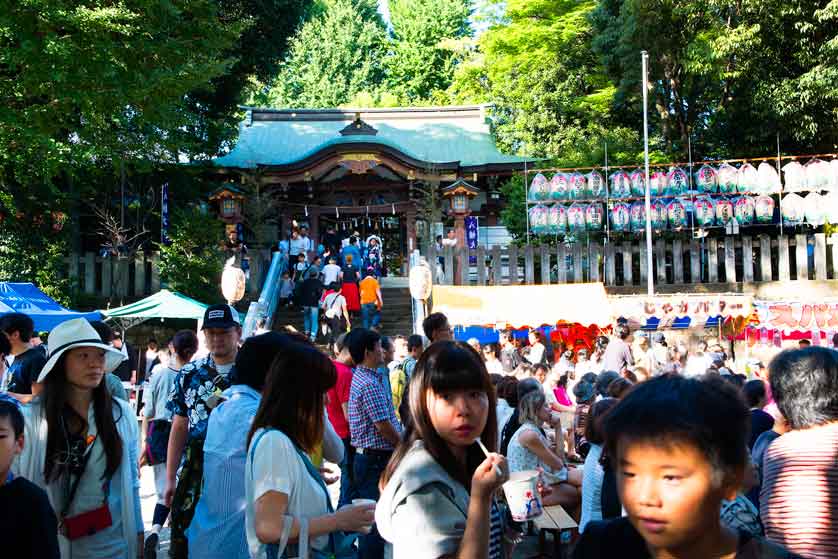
(81, 447)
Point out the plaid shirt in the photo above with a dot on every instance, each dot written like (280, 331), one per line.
(369, 403)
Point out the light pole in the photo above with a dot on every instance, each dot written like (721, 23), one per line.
(650, 280)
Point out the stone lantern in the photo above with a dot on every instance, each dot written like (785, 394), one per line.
(459, 195)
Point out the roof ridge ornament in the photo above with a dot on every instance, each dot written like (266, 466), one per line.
(358, 128)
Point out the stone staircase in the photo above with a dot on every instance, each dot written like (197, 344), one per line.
(396, 315)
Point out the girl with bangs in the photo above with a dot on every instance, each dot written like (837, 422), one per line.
(437, 496)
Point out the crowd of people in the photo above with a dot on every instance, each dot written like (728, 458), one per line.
(654, 451)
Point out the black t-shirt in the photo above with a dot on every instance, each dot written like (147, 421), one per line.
(28, 527)
(350, 274)
(125, 368)
(310, 290)
(618, 538)
(25, 370)
(760, 423)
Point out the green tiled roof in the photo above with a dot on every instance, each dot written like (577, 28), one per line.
(434, 135)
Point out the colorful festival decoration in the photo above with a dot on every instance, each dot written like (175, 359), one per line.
(538, 219)
(769, 180)
(620, 184)
(596, 185)
(638, 183)
(743, 209)
(705, 211)
(676, 214)
(728, 177)
(748, 179)
(620, 217)
(576, 217)
(706, 180)
(539, 188)
(637, 216)
(557, 219)
(792, 209)
(559, 186)
(657, 183)
(677, 182)
(594, 216)
(724, 210)
(658, 216)
(764, 208)
(577, 186)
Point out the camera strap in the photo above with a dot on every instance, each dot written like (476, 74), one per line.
(75, 485)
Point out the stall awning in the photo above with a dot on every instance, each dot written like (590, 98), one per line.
(45, 312)
(681, 311)
(518, 306)
(163, 304)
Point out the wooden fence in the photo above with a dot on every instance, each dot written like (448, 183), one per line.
(138, 277)
(731, 259)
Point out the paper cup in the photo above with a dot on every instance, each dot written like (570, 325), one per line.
(364, 502)
(522, 495)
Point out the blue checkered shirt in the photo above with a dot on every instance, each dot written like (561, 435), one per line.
(368, 405)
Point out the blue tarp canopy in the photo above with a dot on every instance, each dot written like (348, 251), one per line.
(44, 311)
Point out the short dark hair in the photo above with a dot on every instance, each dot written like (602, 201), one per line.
(507, 388)
(18, 322)
(754, 392)
(804, 383)
(604, 380)
(5, 346)
(622, 331)
(706, 413)
(594, 432)
(618, 388)
(360, 341)
(254, 359)
(386, 343)
(414, 341)
(105, 332)
(432, 323)
(185, 343)
(12, 411)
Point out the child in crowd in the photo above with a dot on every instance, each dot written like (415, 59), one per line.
(27, 522)
(437, 496)
(679, 447)
(286, 290)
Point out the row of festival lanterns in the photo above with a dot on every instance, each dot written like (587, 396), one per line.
(57, 219)
(816, 175)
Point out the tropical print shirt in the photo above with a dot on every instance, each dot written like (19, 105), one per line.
(191, 393)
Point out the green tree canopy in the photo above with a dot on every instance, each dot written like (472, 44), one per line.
(192, 262)
(333, 57)
(423, 50)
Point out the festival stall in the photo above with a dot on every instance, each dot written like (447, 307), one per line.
(570, 312)
(45, 312)
(777, 321)
(679, 312)
(162, 305)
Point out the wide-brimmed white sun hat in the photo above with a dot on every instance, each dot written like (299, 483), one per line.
(77, 333)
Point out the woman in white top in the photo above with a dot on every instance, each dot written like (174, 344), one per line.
(287, 501)
(529, 449)
(592, 472)
(535, 352)
(81, 448)
(490, 357)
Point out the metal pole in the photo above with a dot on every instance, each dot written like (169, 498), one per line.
(780, 175)
(650, 280)
(526, 201)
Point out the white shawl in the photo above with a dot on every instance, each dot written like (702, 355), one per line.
(30, 464)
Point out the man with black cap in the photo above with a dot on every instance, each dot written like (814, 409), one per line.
(196, 392)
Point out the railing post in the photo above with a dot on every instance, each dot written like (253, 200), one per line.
(107, 276)
(820, 256)
(155, 272)
(677, 262)
(89, 273)
(594, 256)
(513, 265)
(481, 265)
(139, 274)
(578, 268)
(561, 255)
(730, 261)
(695, 262)
(747, 260)
(643, 265)
(545, 264)
(462, 266)
(449, 265)
(497, 266)
(783, 258)
(529, 265)
(610, 265)
(802, 256)
(765, 258)
(628, 263)
(660, 257)
(834, 239)
(712, 261)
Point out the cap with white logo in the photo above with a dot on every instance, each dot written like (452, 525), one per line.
(220, 316)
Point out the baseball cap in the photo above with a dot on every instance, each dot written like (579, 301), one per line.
(220, 316)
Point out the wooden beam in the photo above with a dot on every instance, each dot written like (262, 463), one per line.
(765, 257)
(628, 263)
(481, 265)
(730, 261)
(513, 265)
(497, 269)
(529, 265)
(820, 256)
(713, 260)
(90, 272)
(643, 265)
(594, 256)
(695, 262)
(747, 259)
(561, 255)
(783, 258)
(544, 251)
(801, 248)
(660, 257)
(578, 270)
(677, 262)
(610, 264)
(834, 239)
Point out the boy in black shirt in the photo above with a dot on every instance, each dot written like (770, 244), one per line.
(22, 375)
(28, 528)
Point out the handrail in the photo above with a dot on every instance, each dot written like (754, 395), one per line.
(265, 307)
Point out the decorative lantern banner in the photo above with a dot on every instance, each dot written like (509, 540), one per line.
(769, 180)
(559, 186)
(657, 183)
(538, 219)
(728, 177)
(637, 216)
(833, 170)
(743, 210)
(792, 208)
(658, 216)
(164, 215)
(620, 217)
(764, 208)
(539, 188)
(576, 217)
(557, 219)
(596, 184)
(593, 217)
(818, 174)
(577, 186)
(638, 183)
(795, 177)
(620, 184)
(472, 232)
(748, 178)
(706, 180)
(788, 316)
(677, 182)
(830, 202)
(814, 209)
(705, 211)
(665, 311)
(724, 210)
(677, 214)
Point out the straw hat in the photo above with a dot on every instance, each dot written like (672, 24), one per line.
(77, 333)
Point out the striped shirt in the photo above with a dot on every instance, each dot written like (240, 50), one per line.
(495, 532)
(798, 500)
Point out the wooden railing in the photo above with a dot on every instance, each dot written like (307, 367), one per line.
(137, 277)
(731, 259)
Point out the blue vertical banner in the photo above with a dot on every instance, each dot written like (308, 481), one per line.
(164, 215)
(472, 237)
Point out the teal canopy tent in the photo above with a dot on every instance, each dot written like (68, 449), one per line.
(163, 304)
